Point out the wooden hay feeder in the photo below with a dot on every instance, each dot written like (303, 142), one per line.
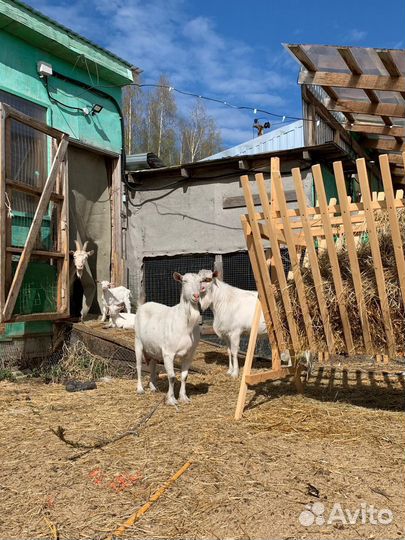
(309, 312)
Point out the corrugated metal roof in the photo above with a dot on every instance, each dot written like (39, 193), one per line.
(284, 138)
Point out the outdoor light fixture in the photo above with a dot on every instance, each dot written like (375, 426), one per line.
(96, 109)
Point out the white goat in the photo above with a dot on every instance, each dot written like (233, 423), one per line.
(114, 296)
(165, 333)
(121, 320)
(233, 311)
(80, 256)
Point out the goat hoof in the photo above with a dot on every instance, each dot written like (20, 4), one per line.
(140, 391)
(153, 388)
(234, 374)
(171, 401)
(184, 399)
(229, 372)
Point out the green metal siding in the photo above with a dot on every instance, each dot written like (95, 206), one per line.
(18, 75)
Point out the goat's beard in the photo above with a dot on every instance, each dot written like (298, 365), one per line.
(79, 273)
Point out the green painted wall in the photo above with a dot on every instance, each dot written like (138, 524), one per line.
(18, 75)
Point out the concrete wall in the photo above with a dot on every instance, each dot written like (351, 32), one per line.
(188, 219)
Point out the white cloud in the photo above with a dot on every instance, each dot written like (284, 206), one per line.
(160, 36)
(355, 35)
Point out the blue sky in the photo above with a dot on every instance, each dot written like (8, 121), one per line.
(229, 50)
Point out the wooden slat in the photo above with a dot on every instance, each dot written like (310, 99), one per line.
(396, 158)
(37, 317)
(257, 378)
(32, 122)
(253, 256)
(302, 56)
(395, 227)
(353, 207)
(34, 230)
(278, 187)
(3, 241)
(393, 131)
(37, 253)
(362, 107)
(352, 253)
(344, 80)
(375, 250)
(25, 188)
(63, 243)
(389, 64)
(382, 144)
(117, 262)
(278, 263)
(337, 278)
(239, 201)
(247, 368)
(266, 295)
(313, 259)
(350, 60)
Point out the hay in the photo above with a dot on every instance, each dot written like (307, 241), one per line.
(371, 297)
(249, 479)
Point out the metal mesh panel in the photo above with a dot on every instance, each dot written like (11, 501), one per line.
(159, 283)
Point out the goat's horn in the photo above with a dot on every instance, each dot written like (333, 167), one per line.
(85, 245)
(78, 246)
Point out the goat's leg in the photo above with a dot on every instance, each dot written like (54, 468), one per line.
(185, 366)
(153, 379)
(105, 311)
(89, 290)
(168, 360)
(127, 304)
(139, 358)
(228, 345)
(235, 340)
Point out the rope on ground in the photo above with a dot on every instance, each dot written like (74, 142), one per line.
(135, 517)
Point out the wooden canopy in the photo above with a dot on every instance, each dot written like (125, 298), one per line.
(364, 90)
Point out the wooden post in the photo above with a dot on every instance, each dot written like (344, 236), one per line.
(248, 361)
(2, 212)
(313, 259)
(375, 251)
(352, 252)
(337, 278)
(117, 262)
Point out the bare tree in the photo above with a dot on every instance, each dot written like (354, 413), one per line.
(200, 136)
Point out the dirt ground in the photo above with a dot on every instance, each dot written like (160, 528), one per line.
(342, 442)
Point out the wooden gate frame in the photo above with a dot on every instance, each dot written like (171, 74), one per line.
(55, 189)
(297, 228)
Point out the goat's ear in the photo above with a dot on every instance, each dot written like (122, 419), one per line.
(177, 277)
(215, 274)
(89, 253)
(71, 252)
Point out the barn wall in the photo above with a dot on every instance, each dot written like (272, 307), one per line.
(188, 219)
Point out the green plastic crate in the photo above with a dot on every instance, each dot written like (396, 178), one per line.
(20, 226)
(39, 289)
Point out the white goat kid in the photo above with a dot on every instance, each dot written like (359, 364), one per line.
(121, 320)
(233, 311)
(165, 333)
(114, 296)
(80, 256)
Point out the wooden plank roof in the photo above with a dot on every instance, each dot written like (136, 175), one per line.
(364, 88)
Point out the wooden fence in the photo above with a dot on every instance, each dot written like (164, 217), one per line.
(309, 232)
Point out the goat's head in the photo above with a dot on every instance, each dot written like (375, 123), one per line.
(207, 280)
(190, 286)
(80, 257)
(105, 285)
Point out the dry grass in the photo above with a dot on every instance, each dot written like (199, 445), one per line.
(372, 301)
(248, 479)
